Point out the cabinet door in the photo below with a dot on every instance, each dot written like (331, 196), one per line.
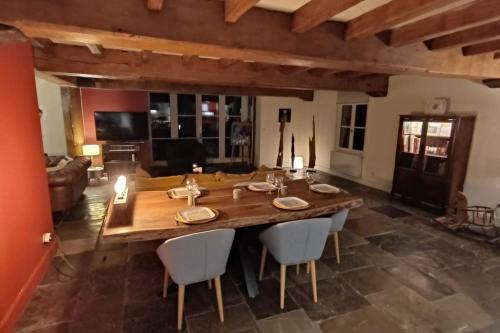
(437, 148)
(410, 144)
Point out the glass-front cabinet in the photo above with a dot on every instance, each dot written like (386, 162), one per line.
(431, 159)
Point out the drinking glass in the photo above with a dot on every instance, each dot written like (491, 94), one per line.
(270, 180)
(279, 184)
(309, 179)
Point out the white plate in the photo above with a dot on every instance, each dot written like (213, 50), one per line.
(182, 192)
(261, 187)
(290, 203)
(324, 188)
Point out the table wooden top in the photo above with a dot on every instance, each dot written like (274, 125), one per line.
(150, 215)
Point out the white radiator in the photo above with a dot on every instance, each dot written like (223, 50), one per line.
(348, 164)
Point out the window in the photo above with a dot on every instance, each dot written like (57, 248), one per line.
(210, 124)
(352, 125)
(187, 115)
(160, 115)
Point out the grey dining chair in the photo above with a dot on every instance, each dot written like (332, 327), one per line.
(195, 258)
(338, 222)
(292, 243)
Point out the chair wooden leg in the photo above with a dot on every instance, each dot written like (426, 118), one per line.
(180, 306)
(210, 284)
(297, 269)
(220, 305)
(282, 286)
(262, 262)
(313, 281)
(165, 283)
(308, 267)
(337, 248)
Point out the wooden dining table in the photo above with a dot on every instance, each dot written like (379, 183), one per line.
(150, 215)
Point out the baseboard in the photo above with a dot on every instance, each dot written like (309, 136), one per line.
(378, 186)
(19, 303)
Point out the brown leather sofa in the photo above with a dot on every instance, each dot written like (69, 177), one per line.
(67, 184)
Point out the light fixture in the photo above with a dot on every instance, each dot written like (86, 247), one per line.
(298, 162)
(121, 190)
(91, 150)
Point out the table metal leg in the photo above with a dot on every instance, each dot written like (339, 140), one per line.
(248, 269)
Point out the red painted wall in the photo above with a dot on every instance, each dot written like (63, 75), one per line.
(24, 196)
(114, 101)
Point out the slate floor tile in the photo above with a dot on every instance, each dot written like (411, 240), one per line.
(237, 318)
(151, 317)
(398, 244)
(369, 280)
(348, 262)
(295, 321)
(365, 320)
(391, 211)
(335, 297)
(267, 302)
(370, 225)
(375, 256)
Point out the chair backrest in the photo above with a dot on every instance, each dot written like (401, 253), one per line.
(297, 241)
(338, 220)
(196, 257)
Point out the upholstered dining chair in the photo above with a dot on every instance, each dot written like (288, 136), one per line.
(195, 258)
(292, 243)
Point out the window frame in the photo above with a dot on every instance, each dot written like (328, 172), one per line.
(351, 128)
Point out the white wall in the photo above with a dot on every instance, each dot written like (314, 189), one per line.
(324, 110)
(49, 100)
(407, 94)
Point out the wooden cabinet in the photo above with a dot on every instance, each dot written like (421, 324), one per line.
(431, 159)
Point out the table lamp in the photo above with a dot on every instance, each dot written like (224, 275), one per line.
(91, 150)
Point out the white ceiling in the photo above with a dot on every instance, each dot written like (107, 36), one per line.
(289, 6)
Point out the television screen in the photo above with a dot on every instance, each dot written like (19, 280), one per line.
(121, 126)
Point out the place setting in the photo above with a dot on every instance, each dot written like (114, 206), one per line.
(321, 188)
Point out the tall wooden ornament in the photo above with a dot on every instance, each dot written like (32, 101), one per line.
(312, 148)
(279, 160)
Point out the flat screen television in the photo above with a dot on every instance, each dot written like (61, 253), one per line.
(121, 126)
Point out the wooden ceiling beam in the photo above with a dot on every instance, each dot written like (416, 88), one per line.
(486, 47)
(322, 72)
(155, 4)
(316, 12)
(286, 69)
(165, 86)
(234, 9)
(114, 64)
(482, 33)
(10, 35)
(60, 81)
(389, 15)
(496, 55)
(203, 33)
(492, 83)
(464, 17)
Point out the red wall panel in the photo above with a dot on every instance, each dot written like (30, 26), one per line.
(24, 195)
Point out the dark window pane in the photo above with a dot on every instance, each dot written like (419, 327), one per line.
(187, 127)
(186, 104)
(159, 98)
(344, 137)
(358, 142)
(212, 147)
(160, 116)
(210, 126)
(233, 106)
(209, 106)
(360, 120)
(228, 149)
(346, 115)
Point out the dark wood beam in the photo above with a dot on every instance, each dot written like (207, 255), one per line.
(316, 12)
(114, 64)
(391, 14)
(482, 33)
(43, 43)
(60, 81)
(286, 69)
(496, 55)
(234, 9)
(492, 83)
(164, 86)
(464, 17)
(322, 71)
(155, 4)
(350, 74)
(486, 47)
(204, 33)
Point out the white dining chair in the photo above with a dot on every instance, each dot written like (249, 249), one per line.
(195, 258)
(292, 243)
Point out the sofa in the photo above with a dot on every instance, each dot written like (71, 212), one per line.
(67, 182)
(144, 181)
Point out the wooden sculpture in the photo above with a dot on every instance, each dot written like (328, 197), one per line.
(312, 148)
(279, 160)
(293, 150)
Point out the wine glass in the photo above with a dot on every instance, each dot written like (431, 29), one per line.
(309, 179)
(279, 184)
(270, 180)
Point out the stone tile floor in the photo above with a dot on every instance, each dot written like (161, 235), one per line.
(398, 273)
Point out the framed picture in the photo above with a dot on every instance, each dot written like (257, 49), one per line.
(285, 112)
(241, 133)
